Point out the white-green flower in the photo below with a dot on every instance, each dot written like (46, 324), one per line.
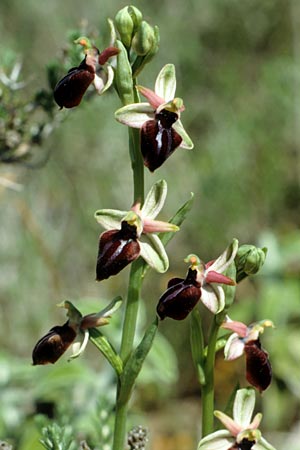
(241, 432)
(159, 119)
(133, 233)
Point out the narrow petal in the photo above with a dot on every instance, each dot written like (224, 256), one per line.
(233, 427)
(213, 297)
(135, 114)
(157, 226)
(227, 257)
(219, 440)
(110, 218)
(186, 143)
(165, 85)
(153, 252)
(154, 99)
(256, 421)
(243, 407)
(155, 200)
(215, 277)
(234, 347)
(237, 327)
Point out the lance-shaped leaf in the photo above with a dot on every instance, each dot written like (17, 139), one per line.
(135, 362)
(107, 350)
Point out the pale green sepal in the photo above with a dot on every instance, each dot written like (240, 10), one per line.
(110, 219)
(165, 85)
(73, 313)
(219, 440)
(154, 253)
(155, 200)
(110, 309)
(135, 115)
(186, 143)
(102, 343)
(110, 79)
(77, 350)
(143, 39)
(227, 257)
(135, 362)
(243, 406)
(263, 445)
(234, 347)
(213, 297)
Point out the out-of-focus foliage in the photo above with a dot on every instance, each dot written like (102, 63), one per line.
(238, 70)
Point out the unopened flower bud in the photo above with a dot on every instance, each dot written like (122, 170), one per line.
(117, 249)
(180, 298)
(51, 346)
(249, 260)
(144, 39)
(127, 21)
(258, 367)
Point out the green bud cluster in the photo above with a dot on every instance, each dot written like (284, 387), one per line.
(249, 260)
(138, 38)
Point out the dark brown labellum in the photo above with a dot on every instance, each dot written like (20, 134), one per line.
(117, 249)
(51, 346)
(70, 89)
(180, 297)
(258, 367)
(159, 139)
(244, 445)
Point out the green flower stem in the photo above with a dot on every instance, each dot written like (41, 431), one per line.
(208, 388)
(120, 426)
(132, 305)
(134, 288)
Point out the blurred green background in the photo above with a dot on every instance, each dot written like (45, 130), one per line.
(238, 71)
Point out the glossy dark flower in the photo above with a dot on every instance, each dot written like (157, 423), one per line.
(246, 340)
(180, 298)
(159, 120)
(70, 89)
(132, 234)
(117, 249)
(203, 281)
(54, 344)
(258, 366)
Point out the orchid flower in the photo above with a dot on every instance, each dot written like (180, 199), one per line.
(241, 432)
(54, 344)
(93, 69)
(159, 119)
(131, 234)
(203, 281)
(246, 340)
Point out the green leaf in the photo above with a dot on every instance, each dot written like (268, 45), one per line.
(155, 199)
(135, 362)
(102, 343)
(177, 219)
(197, 343)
